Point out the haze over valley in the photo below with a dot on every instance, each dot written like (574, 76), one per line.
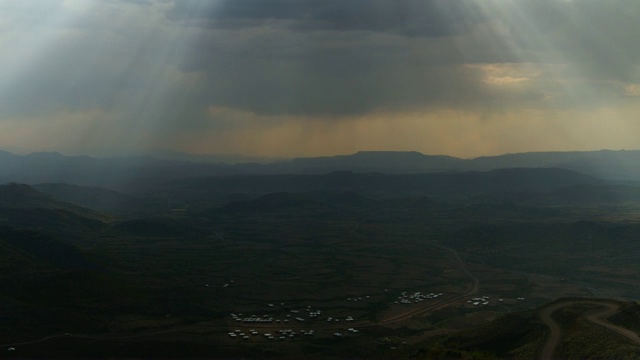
(389, 259)
(320, 179)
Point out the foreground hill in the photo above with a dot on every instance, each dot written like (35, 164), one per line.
(581, 330)
(48, 285)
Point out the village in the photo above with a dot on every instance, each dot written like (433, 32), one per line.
(485, 300)
(292, 316)
(282, 321)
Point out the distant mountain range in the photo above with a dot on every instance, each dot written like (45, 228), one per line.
(119, 173)
(213, 158)
(141, 172)
(605, 164)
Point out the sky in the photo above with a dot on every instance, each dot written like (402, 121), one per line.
(290, 78)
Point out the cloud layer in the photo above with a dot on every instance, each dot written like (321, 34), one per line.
(317, 76)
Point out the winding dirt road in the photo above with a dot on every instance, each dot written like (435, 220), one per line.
(598, 317)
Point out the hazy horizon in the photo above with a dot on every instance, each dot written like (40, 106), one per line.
(159, 153)
(281, 78)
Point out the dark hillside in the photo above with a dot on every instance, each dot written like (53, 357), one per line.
(341, 198)
(606, 164)
(628, 317)
(436, 185)
(269, 203)
(42, 248)
(95, 198)
(580, 194)
(151, 227)
(24, 196)
(510, 336)
(21, 196)
(23, 207)
(521, 335)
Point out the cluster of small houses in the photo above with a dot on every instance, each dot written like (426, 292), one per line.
(351, 330)
(253, 318)
(484, 300)
(310, 313)
(294, 314)
(348, 318)
(404, 298)
(240, 334)
(280, 335)
(224, 286)
(416, 297)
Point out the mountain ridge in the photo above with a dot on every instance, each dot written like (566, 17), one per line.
(140, 172)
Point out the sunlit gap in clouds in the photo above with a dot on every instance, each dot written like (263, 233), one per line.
(501, 67)
(594, 61)
(528, 52)
(549, 49)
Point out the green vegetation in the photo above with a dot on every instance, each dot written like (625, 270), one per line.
(514, 336)
(161, 274)
(584, 340)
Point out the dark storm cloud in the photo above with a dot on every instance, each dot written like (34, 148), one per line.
(429, 18)
(166, 66)
(324, 57)
(329, 57)
(352, 57)
(336, 82)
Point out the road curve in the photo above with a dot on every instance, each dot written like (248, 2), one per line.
(598, 317)
(555, 332)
